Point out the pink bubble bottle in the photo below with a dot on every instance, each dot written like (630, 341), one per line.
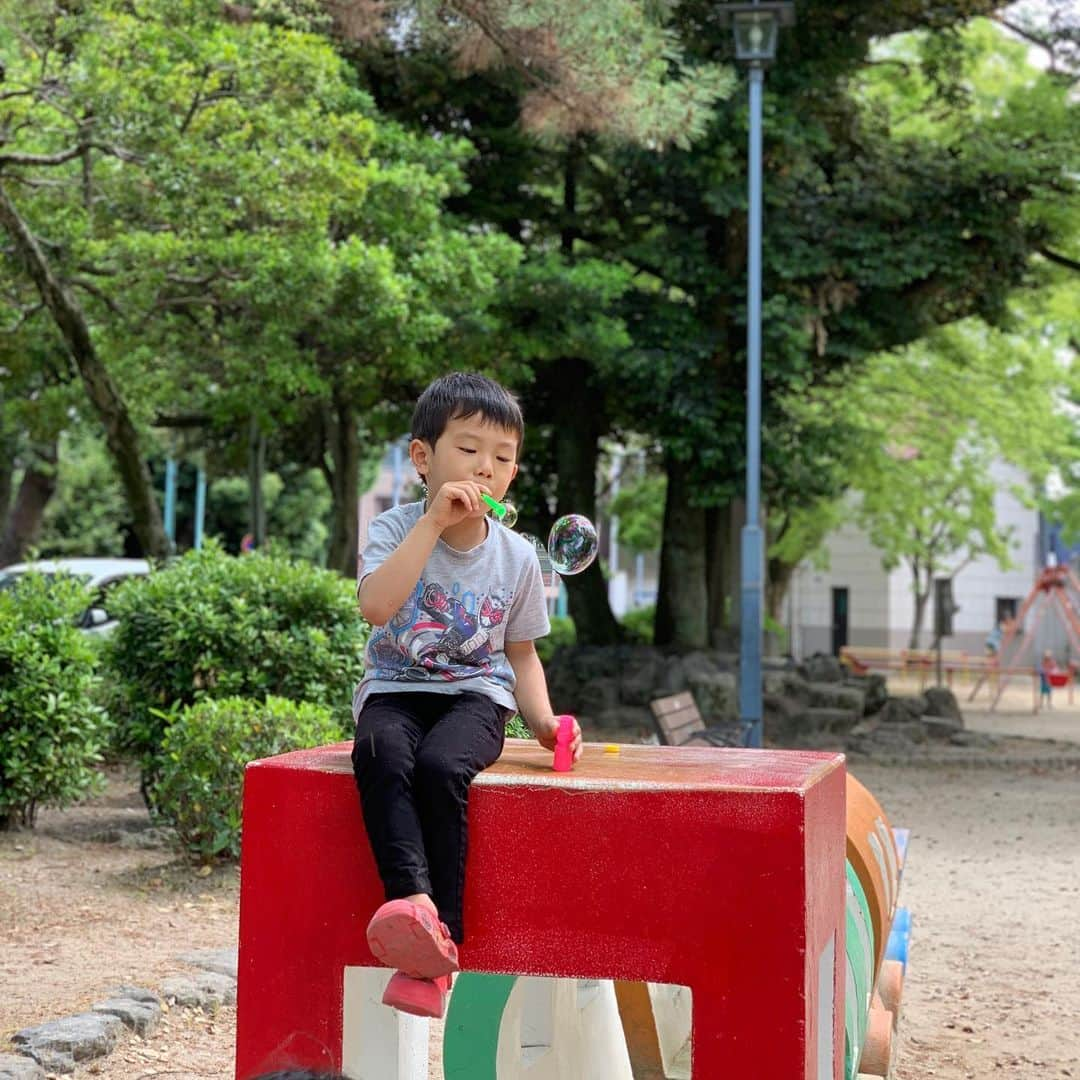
(564, 759)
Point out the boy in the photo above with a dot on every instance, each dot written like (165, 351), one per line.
(456, 602)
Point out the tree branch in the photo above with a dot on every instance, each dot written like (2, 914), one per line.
(1060, 260)
(95, 290)
(15, 158)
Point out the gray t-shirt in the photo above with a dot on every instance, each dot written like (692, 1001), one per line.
(448, 637)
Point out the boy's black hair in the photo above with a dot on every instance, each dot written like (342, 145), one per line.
(462, 394)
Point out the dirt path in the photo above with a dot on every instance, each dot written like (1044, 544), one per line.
(993, 882)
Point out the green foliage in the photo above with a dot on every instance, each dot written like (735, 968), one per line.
(516, 728)
(563, 635)
(199, 787)
(639, 624)
(297, 503)
(922, 429)
(639, 507)
(211, 625)
(87, 514)
(51, 733)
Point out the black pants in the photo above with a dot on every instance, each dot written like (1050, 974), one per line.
(414, 756)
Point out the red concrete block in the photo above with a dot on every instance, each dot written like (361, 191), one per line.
(717, 869)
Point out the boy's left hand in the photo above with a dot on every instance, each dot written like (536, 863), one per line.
(547, 729)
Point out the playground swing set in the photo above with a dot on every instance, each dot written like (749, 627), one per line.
(1056, 593)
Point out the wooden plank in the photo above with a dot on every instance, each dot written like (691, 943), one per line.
(664, 705)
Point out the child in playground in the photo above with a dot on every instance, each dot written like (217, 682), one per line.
(1047, 668)
(456, 602)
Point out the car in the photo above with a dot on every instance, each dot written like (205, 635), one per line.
(102, 575)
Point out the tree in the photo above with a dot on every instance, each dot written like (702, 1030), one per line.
(876, 235)
(214, 218)
(927, 425)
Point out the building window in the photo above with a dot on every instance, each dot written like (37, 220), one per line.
(1005, 608)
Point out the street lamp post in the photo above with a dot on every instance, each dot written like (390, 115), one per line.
(756, 27)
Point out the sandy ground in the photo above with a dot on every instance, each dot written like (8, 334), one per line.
(993, 881)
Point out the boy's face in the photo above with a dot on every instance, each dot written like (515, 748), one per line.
(470, 448)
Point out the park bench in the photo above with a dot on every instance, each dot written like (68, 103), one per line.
(679, 722)
(861, 659)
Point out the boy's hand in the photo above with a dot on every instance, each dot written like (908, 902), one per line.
(457, 500)
(547, 729)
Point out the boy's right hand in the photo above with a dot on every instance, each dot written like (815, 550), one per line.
(457, 500)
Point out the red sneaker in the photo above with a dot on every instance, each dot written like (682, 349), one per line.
(420, 997)
(407, 936)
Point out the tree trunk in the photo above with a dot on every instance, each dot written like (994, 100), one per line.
(120, 434)
(7, 470)
(344, 484)
(24, 522)
(579, 422)
(681, 605)
(256, 472)
(922, 594)
(722, 573)
(777, 581)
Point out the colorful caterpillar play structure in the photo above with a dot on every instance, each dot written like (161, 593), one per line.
(658, 913)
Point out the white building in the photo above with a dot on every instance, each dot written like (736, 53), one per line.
(857, 602)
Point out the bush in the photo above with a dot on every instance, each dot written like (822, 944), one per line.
(212, 625)
(51, 732)
(200, 783)
(638, 625)
(563, 634)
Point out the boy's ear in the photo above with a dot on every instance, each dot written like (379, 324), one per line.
(420, 456)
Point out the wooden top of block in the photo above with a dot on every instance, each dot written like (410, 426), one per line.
(631, 767)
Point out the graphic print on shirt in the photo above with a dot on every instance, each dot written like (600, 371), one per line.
(435, 635)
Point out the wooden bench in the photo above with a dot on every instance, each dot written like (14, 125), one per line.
(860, 659)
(678, 722)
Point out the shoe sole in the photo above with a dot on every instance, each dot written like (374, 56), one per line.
(400, 939)
(417, 1007)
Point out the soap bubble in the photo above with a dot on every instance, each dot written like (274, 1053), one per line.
(572, 544)
(509, 519)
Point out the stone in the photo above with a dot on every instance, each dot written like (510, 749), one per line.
(832, 695)
(599, 695)
(834, 721)
(980, 739)
(773, 682)
(136, 993)
(624, 718)
(639, 677)
(901, 710)
(699, 663)
(940, 727)
(207, 990)
(941, 701)
(223, 961)
(139, 1016)
(717, 696)
(672, 677)
(822, 668)
(17, 1067)
(782, 717)
(875, 690)
(795, 687)
(60, 1045)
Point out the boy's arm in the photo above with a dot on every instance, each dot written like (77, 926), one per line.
(532, 696)
(384, 590)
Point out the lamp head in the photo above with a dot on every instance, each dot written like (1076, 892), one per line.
(756, 28)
